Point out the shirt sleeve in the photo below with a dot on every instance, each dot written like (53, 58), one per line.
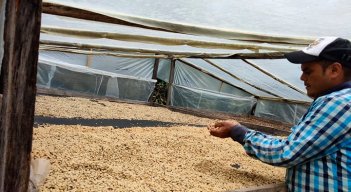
(319, 133)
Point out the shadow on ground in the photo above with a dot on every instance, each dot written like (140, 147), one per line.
(116, 123)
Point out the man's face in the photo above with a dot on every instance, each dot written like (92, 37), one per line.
(315, 78)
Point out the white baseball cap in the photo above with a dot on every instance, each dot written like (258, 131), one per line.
(324, 48)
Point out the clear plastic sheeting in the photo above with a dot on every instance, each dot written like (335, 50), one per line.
(194, 88)
(282, 69)
(135, 67)
(63, 57)
(56, 73)
(130, 46)
(202, 99)
(225, 18)
(126, 66)
(190, 77)
(196, 30)
(280, 111)
(255, 77)
(164, 69)
(229, 89)
(94, 84)
(226, 77)
(66, 26)
(66, 79)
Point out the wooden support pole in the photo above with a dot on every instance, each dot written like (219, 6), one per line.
(168, 53)
(154, 72)
(19, 70)
(170, 82)
(89, 60)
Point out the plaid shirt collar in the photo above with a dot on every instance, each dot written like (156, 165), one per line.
(339, 87)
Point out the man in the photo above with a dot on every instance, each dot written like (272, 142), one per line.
(317, 153)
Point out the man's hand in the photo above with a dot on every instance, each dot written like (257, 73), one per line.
(222, 129)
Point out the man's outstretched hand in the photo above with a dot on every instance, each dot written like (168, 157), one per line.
(222, 129)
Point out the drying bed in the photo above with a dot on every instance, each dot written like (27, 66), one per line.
(153, 149)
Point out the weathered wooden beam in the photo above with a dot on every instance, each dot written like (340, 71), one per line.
(271, 55)
(55, 9)
(171, 54)
(154, 71)
(19, 70)
(170, 82)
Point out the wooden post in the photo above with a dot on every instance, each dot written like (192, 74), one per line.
(170, 82)
(89, 60)
(154, 72)
(19, 70)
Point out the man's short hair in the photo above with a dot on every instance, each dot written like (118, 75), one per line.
(347, 70)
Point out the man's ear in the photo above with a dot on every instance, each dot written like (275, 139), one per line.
(336, 70)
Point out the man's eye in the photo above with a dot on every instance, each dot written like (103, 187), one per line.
(307, 72)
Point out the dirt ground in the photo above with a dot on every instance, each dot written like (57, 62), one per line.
(97, 145)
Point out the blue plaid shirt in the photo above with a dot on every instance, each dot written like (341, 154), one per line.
(317, 153)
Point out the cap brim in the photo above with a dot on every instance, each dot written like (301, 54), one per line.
(299, 57)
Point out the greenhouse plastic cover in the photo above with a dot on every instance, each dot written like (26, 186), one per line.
(126, 46)
(279, 111)
(130, 78)
(209, 29)
(188, 76)
(194, 88)
(254, 77)
(196, 28)
(67, 26)
(266, 20)
(200, 99)
(282, 69)
(134, 67)
(205, 66)
(256, 15)
(247, 82)
(68, 71)
(64, 31)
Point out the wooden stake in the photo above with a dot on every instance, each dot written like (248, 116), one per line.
(154, 72)
(19, 72)
(170, 83)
